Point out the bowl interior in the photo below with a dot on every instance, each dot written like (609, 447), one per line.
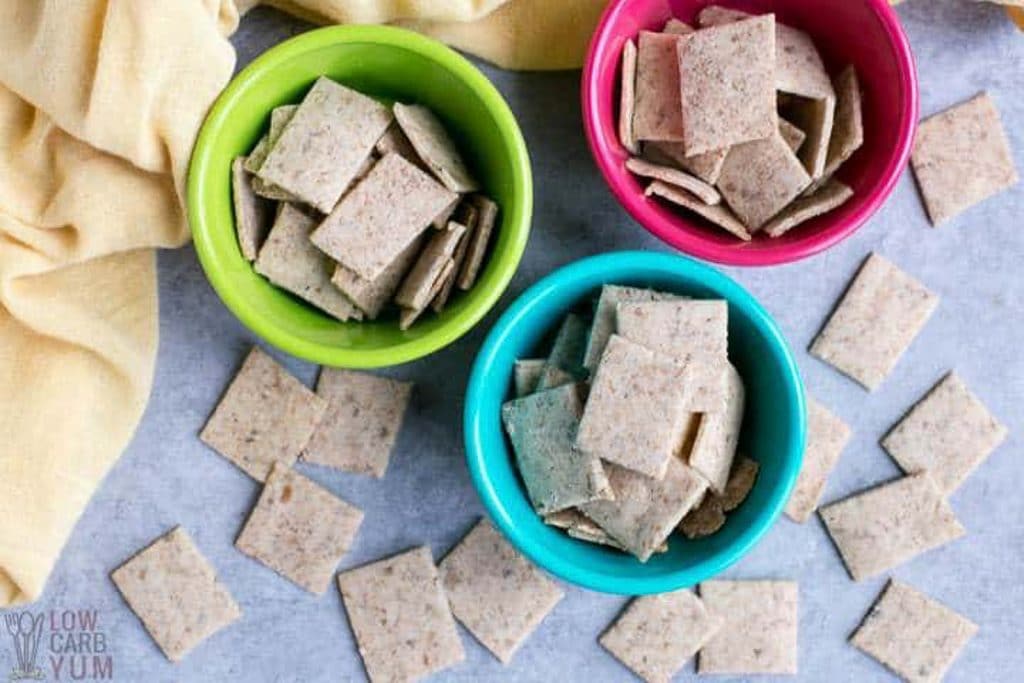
(390, 64)
(864, 33)
(773, 427)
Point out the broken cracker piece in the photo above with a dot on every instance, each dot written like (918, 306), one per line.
(827, 436)
(692, 184)
(718, 215)
(434, 146)
(761, 178)
(831, 195)
(656, 114)
(759, 627)
(627, 97)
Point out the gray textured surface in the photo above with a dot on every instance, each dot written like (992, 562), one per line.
(168, 477)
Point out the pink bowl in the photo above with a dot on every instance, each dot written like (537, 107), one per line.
(866, 33)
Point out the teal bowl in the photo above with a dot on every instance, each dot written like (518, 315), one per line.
(773, 428)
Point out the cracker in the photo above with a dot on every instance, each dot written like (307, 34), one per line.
(253, 214)
(875, 322)
(645, 510)
(579, 526)
(709, 516)
(656, 114)
(881, 528)
(440, 221)
(265, 416)
(962, 157)
(798, 66)
(416, 288)
(827, 436)
(741, 482)
(657, 634)
(715, 445)
(371, 296)
(692, 184)
(848, 124)
(542, 428)
(727, 91)
(394, 140)
(603, 326)
(279, 118)
(716, 15)
(322, 148)
(363, 418)
(598, 537)
(717, 215)
(270, 191)
(636, 413)
(485, 224)
(949, 433)
(175, 592)
(761, 178)
(495, 592)
(831, 195)
(793, 136)
(526, 373)
(400, 617)
(299, 529)
(381, 216)
(627, 97)
(408, 316)
(468, 220)
(913, 635)
(435, 147)
(704, 520)
(759, 627)
(565, 362)
(676, 27)
(705, 166)
(290, 261)
(816, 118)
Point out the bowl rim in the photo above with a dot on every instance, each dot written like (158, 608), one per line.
(618, 264)
(699, 247)
(219, 116)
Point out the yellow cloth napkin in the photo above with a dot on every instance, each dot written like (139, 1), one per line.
(100, 101)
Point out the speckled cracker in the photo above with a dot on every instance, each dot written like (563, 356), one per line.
(848, 124)
(565, 361)
(961, 157)
(883, 527)
(727, 90)
(877, 319)
(636, 413)
(416, 288)
(322, 148)
(279, 118)
(468, 219)
(831, 195)
(759, 627)
(679, 28)
(495, 592)
(361, 425)
(253, 214)
(816, 118)
(174, 591)
(434, 146)
(715, 445)
(542, 428)
(657, 115)
(709, 516)
(486, 221)
(657, 634)
(704, 520)
(949, 433)
(717, 215)
(603, 326)
(408, 316)
(381, 216)
(627, 97)
(299, 529)
(645, 510)
(741, 482)
(827, 436)
(716, 15)
(692, 184)
(579, 526)
(394, 140)
(526, 373)
(371, 296)
(290, 261)
(265, 416)
(705, 166)
(913, 635)
(761, 178)
(793, 136)
(400, 616)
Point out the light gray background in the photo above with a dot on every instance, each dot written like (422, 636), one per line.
(168, 477)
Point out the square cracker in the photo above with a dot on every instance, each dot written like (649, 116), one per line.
(265, 416)
(692, 184)
(299, 529)
(327, 140)
(848, 124)
(827, 436)
(961, 157)
(816, 118)
(363, 418)
(913, 635)
(881, 528)
(435, 147)
(495, 592)
(727, 90)
(371, 296)
(646, 510)
(417, 287)
(636, 412)
(290, 261)
(877, 319)
(381, 216)
(627, 97)
(760, 178)
(718, 214)
(715, 445)
(487, 220)
(603, 326)
(949, 433)
(657, 634)
(831, 195)
(174, 591)
(542, 428)
(400, 616)
(526, 373)
(656, 114)
(705, 166)
(759, 627)
(253, 214)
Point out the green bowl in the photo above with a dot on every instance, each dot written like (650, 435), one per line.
(391, 64)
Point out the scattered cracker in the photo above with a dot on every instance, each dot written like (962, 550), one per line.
(604, 318)
(627, 97)
(793, 136)
(827, 436)
(371, 296)
(435, 147)
(816, 118)
(486, 222)
(913, 635)
(705, 166)
(759, 627)
(253, 214)
(848, 125)
(565, 361)
(676, 27)
(526, 373)
(718, 215)
(657, 634)
(416, 289)
(692, 184)
(831, 195)
(761, 178)
(495, 592)
(279, 118)
(715, 445)
(363, 418)
(656, 113)
(174, 591)
(883, 527)
(400, 616)
(299, 529)
(877, 319)
(265, 416)
(962, 157)
(949, 433)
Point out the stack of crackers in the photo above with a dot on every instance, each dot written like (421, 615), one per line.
(335, 205)
(738, 122)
